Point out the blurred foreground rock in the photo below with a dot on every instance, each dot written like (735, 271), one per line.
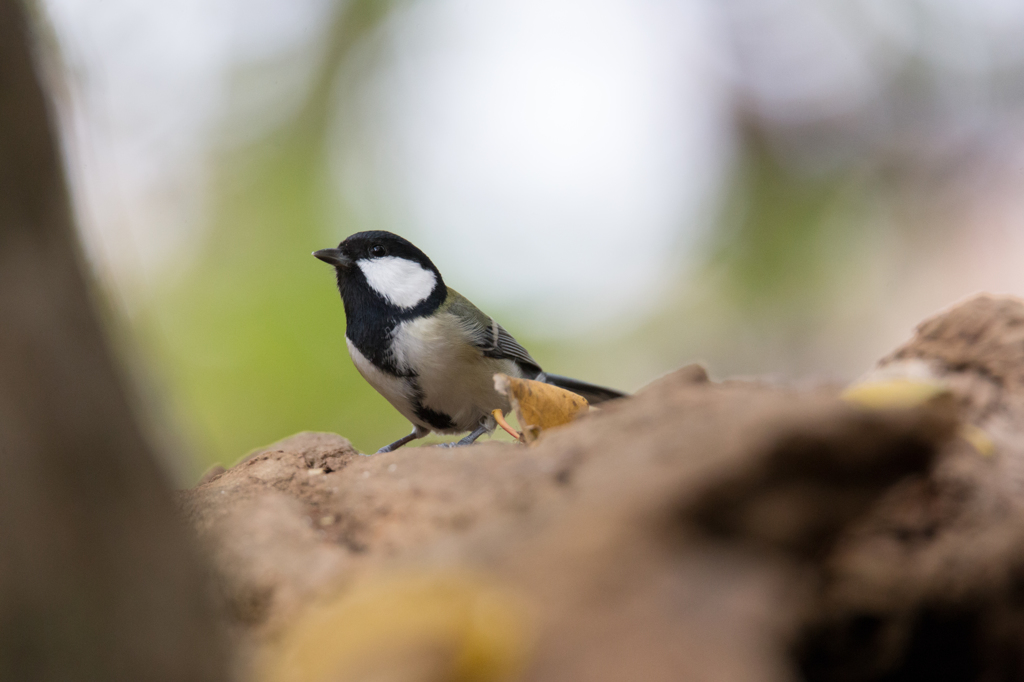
(731, 531)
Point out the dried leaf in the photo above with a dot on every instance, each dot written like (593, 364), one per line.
(539, 406)
(500, 418)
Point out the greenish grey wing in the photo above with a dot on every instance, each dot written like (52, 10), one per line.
(486, 334)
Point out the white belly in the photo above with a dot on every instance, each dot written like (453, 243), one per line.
(453, 377)
(397, 390)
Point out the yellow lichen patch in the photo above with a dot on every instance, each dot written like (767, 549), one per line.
(978, 439)
(437, 626)
(895, 393)
(539, 406)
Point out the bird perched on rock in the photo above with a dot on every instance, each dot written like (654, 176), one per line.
(429, 351)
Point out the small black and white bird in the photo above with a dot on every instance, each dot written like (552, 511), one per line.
(429, 351)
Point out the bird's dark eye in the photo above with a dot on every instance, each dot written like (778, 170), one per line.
(377, 251)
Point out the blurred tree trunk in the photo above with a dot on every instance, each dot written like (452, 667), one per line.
(97, 578)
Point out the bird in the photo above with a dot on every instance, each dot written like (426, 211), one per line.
(424, 346)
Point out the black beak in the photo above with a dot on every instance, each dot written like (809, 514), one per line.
(334, 257)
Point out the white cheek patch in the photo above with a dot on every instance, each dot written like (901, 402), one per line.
(403, 282)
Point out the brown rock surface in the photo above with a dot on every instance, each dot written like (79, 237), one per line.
(693, 531)
(929, 583)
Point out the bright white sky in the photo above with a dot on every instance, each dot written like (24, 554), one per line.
(543, 146)
(529, 146)
(526, 144)
(150, 86)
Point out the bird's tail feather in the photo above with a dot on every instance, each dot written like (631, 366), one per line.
(593, 394)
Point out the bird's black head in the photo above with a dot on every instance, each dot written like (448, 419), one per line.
(383, 275)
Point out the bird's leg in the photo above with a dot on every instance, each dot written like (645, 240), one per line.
(468, 440)
(417, 432)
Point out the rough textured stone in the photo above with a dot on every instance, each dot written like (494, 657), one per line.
(693, 531)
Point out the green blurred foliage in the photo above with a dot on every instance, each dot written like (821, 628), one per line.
(789, 267)
(784, 235)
